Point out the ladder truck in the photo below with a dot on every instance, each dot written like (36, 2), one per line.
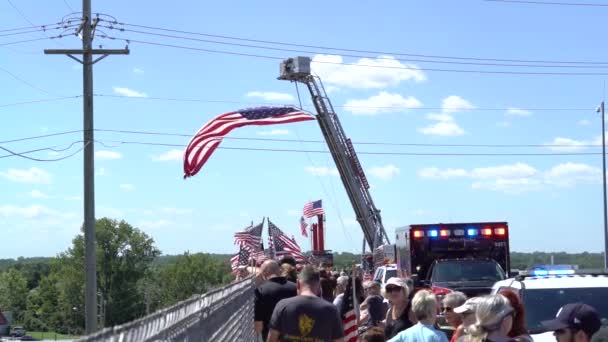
(353, 177)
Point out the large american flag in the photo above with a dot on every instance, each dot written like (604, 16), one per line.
(208, 138)
(240, 259)
(348, 313)
(250, 238)
(282, 244)
(313, 208)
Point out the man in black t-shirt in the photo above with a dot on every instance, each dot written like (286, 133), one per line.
(269, 293)
(306, 317)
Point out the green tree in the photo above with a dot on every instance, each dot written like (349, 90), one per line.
(13, 293)
(190, 274)
(124, 256)
(42, 304)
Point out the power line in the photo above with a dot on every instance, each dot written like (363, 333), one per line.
(595, 66)
(550, 3)
(24, 81)
(353, 50)
(39, 101)
(23, 155)
(496, 72)
(68, 5)
(29, 40)
(356, 143)
(42, 136)
(29, 27)
(157, 98)
(121, 142)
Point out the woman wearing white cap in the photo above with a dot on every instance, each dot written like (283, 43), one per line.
(467, 315)
(398, 317)
(494, 319)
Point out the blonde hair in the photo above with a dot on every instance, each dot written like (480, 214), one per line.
(490, 312)
(424, 305)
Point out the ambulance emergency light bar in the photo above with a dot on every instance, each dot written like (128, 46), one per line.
(486, 231)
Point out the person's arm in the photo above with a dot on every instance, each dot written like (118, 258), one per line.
(257, 311)
(273, 336)
(259, 326)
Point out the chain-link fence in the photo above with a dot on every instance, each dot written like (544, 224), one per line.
(224, 314)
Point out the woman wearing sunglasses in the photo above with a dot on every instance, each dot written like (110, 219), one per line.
(494, 320)
(398, 317)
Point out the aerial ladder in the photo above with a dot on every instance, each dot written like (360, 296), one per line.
(353, 177)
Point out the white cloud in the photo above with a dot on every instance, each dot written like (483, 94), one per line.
(176, 211)
(37, 194)
(274, 132)
(107, 155)
(384, 172)
(517, 170)
(444, 128)
(138, 71)
(322, 171)
(31, 212)
(270, 96)
(366, 72)
(127, 187)
(509, 186)
(584, 122)
(128, 92)
(570, 174)
(101, 172)
(420, 212)
(350, 222)
(384, 102)
(455, 104)
(568, 145)
(33, 175)
(503, 124)
(518, 112)
(155, 224)
(435, 173)
(171, 155)
(520, 177)
(73, 198)
(331, 89)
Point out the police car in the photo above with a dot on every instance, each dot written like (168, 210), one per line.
(384, 273)
(544, 290)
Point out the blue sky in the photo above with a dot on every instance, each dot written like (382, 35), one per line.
(553, 203)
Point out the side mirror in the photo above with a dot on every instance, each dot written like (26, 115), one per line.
(513, 274)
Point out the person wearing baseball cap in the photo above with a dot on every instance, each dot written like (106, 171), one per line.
(574, 322)
(467, 312)
(398, 315)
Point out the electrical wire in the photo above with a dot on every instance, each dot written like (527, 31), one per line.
(28, 40)
(24, 81)
(358, 56)
(41, 136)
(68, 6)
(343, 106)
(550, 3)
(39, 101)
(494, 72)
(425, 154)
(356, 143)
(23, 154)
(352, 50)
(29, 27)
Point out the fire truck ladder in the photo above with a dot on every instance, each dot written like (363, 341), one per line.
(342, 150)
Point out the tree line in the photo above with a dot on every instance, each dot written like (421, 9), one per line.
(47, 294)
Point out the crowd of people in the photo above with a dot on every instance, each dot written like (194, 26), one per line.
(294, 303)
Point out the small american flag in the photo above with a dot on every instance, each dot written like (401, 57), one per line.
(209, 137)
(240, 259)
(348, 313)
(313, 209)
(303, 226)
(250, 238)
(282, 244)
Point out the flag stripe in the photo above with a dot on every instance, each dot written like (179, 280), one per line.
(208, 138)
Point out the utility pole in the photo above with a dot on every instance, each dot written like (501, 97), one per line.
(87, 28)
(602, 112)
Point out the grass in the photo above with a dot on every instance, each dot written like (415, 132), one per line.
(50, 335)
